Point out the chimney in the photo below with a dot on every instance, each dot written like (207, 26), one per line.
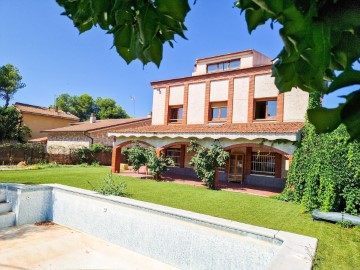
(149, 115)
(92, 118)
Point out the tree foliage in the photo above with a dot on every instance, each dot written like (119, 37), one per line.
(88, 154)
(206, 160)
(157, 165)
(321, 44)
(11, 126)
(138, 156)
(325, 171)
(82, 106)
(10, 82)
(139, 27)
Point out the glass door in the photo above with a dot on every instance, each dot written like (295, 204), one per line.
(236, 167)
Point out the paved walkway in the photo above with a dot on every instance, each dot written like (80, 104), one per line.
(188, 180)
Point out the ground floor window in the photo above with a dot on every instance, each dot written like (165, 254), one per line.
(174, 154)
(263, 163)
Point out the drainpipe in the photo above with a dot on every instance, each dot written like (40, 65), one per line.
(91, 138)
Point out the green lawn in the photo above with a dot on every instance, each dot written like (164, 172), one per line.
(338, 248)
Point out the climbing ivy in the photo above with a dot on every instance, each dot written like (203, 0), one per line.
(325, 171)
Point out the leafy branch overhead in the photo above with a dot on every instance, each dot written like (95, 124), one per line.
(139, 27)
(321, 44)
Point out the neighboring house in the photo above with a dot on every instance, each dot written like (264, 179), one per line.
(61, 140)
(232, 99)
(40, 118)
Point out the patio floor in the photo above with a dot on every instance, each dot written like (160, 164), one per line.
(188, 180)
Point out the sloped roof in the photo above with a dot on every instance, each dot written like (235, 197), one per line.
(32, 109)
(100, 124)
(257, 127)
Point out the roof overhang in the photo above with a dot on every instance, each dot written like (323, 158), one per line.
(202, 135)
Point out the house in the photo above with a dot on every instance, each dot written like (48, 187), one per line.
(41, 118)
(61, 140)
(231, 99)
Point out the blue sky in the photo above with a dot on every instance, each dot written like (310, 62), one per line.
(53, 58)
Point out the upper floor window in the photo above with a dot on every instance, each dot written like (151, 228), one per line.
(222, 66)
(265, 109)
(218, 111)
(176, 115)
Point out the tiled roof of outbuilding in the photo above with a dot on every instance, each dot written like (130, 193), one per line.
(32, 109)
(117, 124)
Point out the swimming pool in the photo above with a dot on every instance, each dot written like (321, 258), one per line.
(183, 239)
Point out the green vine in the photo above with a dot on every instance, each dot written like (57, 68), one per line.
(325, 171)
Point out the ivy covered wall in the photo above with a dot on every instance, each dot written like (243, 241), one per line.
(325, 171)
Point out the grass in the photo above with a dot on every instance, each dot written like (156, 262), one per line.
(338, 248)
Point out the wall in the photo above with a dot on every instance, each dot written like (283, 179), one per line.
(176, 95)
(40, 122)
(196, 103)
(246, 61)
(265, 86)
(61, 143)
(295, 105)
(158, 109)
(219, 90)
(241, 103)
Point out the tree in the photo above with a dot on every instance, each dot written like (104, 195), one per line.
(82, 106)
(321, 42)
(136, 156)
(157, 165)
(10, 82)
(139, 156)
(106, 108)
(206, 160)
(11, 126)
(139, 27)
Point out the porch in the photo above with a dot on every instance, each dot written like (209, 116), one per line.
(171, 176)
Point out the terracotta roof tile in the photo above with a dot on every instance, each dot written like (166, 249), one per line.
(263, 127)
(22, 107)
(38, 140)
(116, 124)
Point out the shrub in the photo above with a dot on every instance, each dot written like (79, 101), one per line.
(87, 154)
(111, 186)
(207, 160)
(136, 156)
(157, 165)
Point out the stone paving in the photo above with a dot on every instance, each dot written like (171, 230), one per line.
(188, 180)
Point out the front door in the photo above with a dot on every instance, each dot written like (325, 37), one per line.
(236, 168)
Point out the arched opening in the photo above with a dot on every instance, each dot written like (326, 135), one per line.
(118, 157)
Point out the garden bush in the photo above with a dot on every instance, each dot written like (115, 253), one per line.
(206, 160)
